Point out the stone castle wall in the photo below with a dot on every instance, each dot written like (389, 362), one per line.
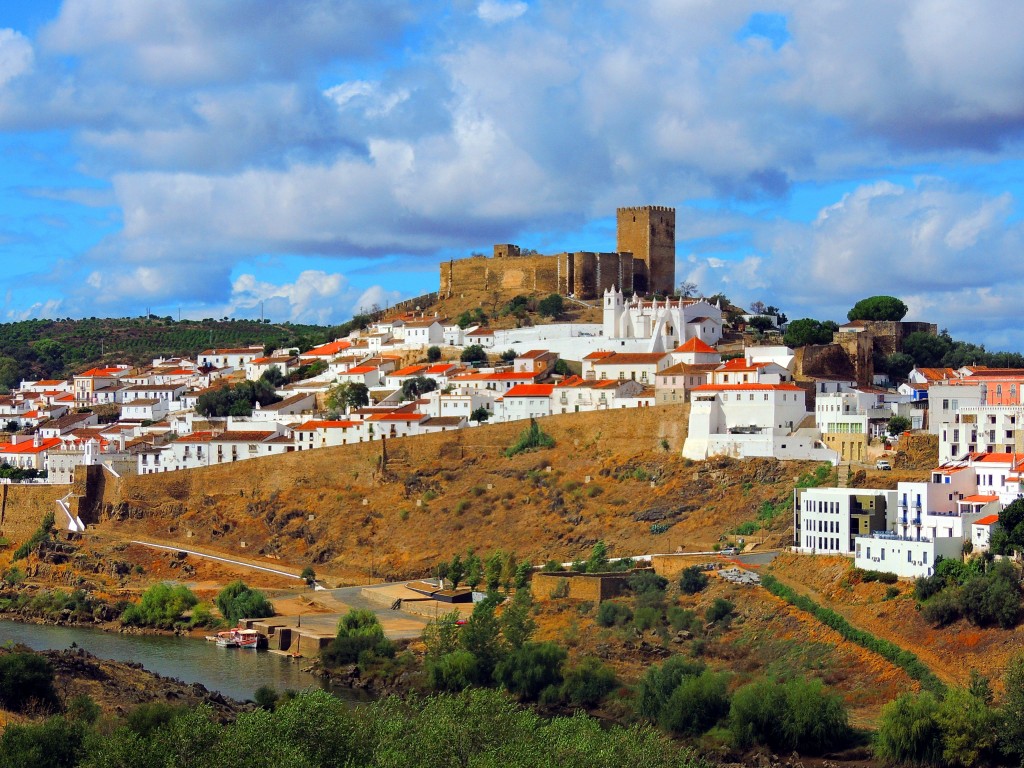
(644, 262)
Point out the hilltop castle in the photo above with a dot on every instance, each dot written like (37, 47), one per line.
(644, 262)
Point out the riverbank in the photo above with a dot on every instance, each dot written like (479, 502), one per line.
(118, 687)
(234, 673)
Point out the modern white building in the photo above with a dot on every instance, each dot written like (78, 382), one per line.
(906, 557)
(827, 520)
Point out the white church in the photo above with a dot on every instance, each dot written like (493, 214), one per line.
(663, 325)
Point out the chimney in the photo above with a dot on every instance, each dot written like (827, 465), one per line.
(37, 440)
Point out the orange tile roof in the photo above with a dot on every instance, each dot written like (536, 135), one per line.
(980, 498)
(530, 390)
(196, 437)
(100, 372)
(937, 374)
(598, 355)
(361, 369)
(325, 350)
(326, 425)
(696, 345)
(411, 370)
(987, 520)
(28, 446)
(397, 417)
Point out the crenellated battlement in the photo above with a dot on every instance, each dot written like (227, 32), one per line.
(659, 208)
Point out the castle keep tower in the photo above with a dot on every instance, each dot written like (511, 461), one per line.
(649, 233)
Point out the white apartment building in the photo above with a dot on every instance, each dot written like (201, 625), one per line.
(827, 520)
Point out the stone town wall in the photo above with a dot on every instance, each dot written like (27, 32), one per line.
(515, 274)
(583, 274)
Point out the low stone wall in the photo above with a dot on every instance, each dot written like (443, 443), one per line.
(578, 586)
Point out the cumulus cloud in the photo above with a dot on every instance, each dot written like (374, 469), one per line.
(16, 55)
(339, 129)
(494, 12)
(314, 297)
(951, 253)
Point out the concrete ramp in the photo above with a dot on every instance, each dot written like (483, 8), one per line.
(74, 522)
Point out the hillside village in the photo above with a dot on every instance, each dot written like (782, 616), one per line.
(415, 372)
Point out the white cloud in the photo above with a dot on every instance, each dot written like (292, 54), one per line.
(495, 12)
(16, 55)
(315, 296)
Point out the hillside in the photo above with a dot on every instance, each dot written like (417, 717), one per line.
(38, 349)
(440, 493)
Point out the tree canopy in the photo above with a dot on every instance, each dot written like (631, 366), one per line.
(237, 400)
(807, 330)
(878, 308)
(348, 394)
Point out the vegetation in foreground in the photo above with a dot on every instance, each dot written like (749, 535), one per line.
(475, 728)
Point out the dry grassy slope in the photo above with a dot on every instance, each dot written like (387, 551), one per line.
(951, 652)
(767, 637)
(471, 496)
(470, 300)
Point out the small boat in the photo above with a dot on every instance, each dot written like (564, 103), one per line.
(247, 638)
(227, 639)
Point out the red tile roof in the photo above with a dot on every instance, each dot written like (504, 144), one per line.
(987, 520)
(696, 345)
(530, 390)
(327, 350)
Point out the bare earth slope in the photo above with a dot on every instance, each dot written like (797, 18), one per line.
(440, 494)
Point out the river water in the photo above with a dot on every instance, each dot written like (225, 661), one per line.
(233, 672)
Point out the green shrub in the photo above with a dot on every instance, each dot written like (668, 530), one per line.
(692, 580)
(560, 590)
(588, 682)
(658, 683)
(238, 601)
(26, 679)
(721, 610)
(943, 608)
(531, 438)
(682, 619)
(161, 606)
(648, 587)
(696, 704)
(799, 714)
(530, 669)
(613, 614)
(454, 671)
(594, 491)
(909, 732)
(647, 617)
(53, 743)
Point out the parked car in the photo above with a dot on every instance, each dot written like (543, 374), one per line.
(883, 464)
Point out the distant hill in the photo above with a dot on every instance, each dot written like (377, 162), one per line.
(42, 349)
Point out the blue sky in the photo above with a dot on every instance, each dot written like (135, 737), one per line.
(322, 156)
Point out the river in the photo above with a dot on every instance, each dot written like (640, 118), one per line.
(234, 672)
